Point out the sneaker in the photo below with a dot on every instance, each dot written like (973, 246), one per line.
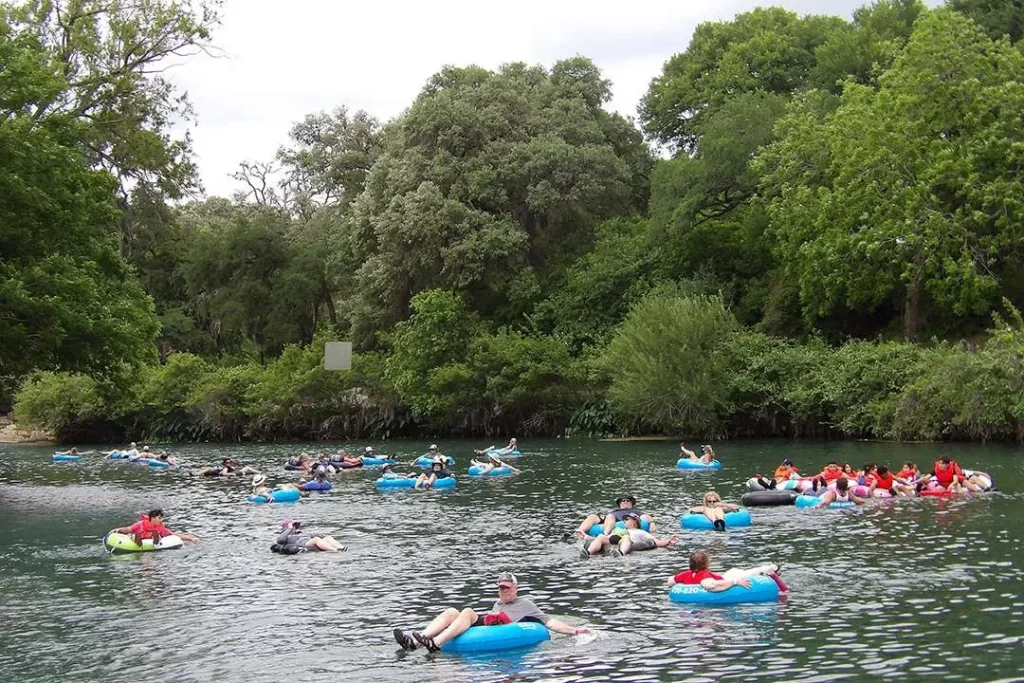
(719, 525)
(584, 554)
(425, 642)
(615, 552)
(403, 639)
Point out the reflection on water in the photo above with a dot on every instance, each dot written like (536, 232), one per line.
(907, 589)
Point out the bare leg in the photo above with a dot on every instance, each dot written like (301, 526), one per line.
(419, 481)
(760, 570)
(714, 513)
(597, 545)
(625, 545)
(590, 521)
(609, 524)
(457, 626)
(440, 622)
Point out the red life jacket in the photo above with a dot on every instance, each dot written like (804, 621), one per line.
(149, 530)
(885, 482)
(946, 477)
(691, 577)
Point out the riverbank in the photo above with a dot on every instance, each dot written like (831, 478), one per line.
(13, 434)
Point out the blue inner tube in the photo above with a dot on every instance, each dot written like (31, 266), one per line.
(811, 501)
(154, 462)
(408, 483)
(477, 471)
(316, 486)
(378, 461)
(700, 521)
(426, 461)
(64, 457)
(687, 464)
(501, 452)
(499, 637)
(278, 496)
(762, 589)
(599, 528)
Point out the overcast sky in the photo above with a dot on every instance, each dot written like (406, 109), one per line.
(283, 60)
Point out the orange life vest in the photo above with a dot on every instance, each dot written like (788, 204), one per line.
(947, 476)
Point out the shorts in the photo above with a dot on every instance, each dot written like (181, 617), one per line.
(643, 545)
(525, 620)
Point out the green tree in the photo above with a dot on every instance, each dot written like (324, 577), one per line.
(909, 193)
(998, 17)
(665, 373)
(767, 50)
(67, 299)
(488, 183)
(105, 60)
(329, 158)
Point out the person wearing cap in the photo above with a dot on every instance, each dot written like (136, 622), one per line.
(318, 483)
(699, 574)
(508, 609)
(624, 541)
(292, 540)
(228, 468)
(438, 470)
(625, 505)
(368, 452)
(706, 456)
(492, 462)
(260, 488)
(714, 509)
(151, 525)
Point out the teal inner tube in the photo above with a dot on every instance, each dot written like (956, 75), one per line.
(812, 501)
(478, 471)
(408, 483)
(499, 637)
(700, 521)
(762, 589)
(687, 464)
(278, 496)
(64, 457)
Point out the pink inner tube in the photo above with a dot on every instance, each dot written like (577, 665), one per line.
(865, 491)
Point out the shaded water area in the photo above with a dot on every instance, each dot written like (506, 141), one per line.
(905, 589)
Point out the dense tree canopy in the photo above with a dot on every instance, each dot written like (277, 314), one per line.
(508, 256)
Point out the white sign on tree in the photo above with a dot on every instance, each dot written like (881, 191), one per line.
(338, 356)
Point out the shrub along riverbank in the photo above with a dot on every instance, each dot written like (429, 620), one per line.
(677, 365)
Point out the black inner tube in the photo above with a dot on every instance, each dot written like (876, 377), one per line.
(767, 498)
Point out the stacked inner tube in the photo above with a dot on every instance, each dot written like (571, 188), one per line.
(768, 498)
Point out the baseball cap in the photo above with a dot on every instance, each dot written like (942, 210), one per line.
(369, 449)
(507, 579)
(787, 462)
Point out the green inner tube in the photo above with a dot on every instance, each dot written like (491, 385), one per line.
(124, 543)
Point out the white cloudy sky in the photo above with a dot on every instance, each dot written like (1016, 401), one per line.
(283, 60)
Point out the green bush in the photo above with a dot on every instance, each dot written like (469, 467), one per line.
(665, 374)
(58, 400)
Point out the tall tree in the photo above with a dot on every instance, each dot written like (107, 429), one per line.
(911, 193)
(998, 17)
(487, 182)
(107, 59)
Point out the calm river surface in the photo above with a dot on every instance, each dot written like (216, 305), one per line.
(922, 589)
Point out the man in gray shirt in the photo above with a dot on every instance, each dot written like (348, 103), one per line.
(508, 609)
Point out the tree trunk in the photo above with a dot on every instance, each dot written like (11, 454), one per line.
(912, 311)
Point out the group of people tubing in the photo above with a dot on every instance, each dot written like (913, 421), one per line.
(617, 532)
(844, 483)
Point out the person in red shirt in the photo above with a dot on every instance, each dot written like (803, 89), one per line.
(151, 525)
(698, 573)
(883, 479)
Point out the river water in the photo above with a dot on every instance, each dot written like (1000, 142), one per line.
(920, 589)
